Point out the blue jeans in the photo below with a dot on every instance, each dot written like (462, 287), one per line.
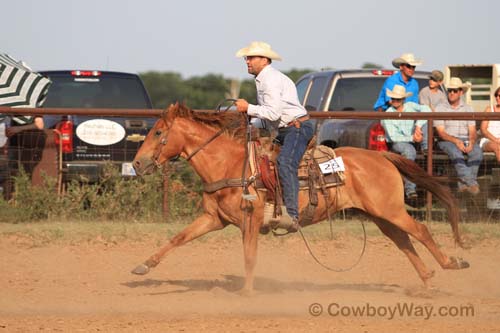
(466, 172)
(294, 143)
(406, 149)
(423, 144)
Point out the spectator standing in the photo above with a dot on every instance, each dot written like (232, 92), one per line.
(490, 129)
(404, 77)
(459, 138)
(402, 135)
(432, 95)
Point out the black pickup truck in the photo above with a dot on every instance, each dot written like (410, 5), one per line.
(88, 142)
(357, 90)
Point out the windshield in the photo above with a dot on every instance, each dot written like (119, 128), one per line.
(106, 91)
(359, 93)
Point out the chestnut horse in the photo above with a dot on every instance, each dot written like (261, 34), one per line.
(214, 144)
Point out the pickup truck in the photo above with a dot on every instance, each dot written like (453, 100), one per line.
(357, 90)
(89, 142)
(348, 90)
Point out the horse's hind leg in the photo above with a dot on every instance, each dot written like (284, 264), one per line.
(422, 234)
(202, 225)
(403, 242)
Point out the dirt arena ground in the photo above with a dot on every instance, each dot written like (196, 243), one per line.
(87, 287)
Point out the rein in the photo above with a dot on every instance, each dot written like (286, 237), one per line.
(215, 136)
(164, 141)
(213, 187)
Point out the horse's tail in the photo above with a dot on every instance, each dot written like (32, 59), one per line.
(413, 172)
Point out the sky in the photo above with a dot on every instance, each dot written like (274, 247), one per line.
(195, 38)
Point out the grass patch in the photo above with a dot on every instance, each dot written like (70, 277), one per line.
(113, 198)
(44, 233)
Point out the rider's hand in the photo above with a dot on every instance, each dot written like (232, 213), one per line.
(418, 135)
(241, 105)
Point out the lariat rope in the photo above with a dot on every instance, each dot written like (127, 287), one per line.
(338, 270)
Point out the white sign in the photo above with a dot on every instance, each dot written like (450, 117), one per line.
(334, 165)
(100, 132)
(128, 169)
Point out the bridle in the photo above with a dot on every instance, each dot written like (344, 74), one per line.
(164, 140)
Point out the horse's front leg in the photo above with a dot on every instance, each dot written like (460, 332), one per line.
(202, 225)
(250, 231)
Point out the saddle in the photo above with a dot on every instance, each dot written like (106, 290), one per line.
(311, 176)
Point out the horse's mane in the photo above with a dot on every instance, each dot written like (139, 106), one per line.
(233, 124)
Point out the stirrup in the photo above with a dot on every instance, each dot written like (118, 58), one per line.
(293, 228)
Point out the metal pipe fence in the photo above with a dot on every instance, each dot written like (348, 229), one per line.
(39, 155)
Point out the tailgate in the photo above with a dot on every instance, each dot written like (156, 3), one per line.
(107, 138)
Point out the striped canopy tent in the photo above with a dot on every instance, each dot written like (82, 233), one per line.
(19, 85)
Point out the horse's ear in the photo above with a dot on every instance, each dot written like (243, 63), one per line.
(169, 112)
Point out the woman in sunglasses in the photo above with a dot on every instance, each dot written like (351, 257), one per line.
(490, 129)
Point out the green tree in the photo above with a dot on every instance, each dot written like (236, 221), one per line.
(164, 88)
(205, 92)
(248, 92)
(199, 92)
(295, 74)
(371, 65)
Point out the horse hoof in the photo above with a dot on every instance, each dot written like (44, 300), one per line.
(142, 269)
(428, 276)
(264, 230)
(245, 292)
(459, 263)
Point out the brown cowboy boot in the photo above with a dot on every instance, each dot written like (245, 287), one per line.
(294, 226)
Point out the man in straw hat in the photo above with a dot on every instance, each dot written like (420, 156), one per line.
(432, 95)
(404, 134)
(278, 104)
(458, 138)
(406, 64)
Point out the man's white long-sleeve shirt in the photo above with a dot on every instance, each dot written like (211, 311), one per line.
(276, 97)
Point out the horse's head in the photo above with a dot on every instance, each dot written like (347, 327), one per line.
(162, 143)
(184, 132)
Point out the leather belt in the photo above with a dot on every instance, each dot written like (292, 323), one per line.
(298, 121)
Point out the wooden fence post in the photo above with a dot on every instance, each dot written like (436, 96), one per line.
(166, 208)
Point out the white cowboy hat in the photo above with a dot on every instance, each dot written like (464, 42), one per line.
(261, 49)
(398, 92)
(456, 83)
(407, 58)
